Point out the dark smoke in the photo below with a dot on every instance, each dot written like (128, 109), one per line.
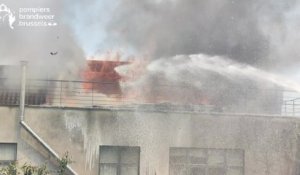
(234, 29)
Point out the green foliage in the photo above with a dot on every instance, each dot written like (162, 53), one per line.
(42, 170)
(28, 169)
(63, 163)
(10, 169)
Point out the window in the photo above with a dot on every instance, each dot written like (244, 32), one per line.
(197, 161)
(119, 160)
(8, 153)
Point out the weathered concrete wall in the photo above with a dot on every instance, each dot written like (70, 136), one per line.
(8, 124)
(270, 143)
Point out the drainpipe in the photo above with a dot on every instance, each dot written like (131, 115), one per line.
(23, 89)
(22, 112)
(44, 144)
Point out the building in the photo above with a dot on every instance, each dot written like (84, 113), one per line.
(150, 139)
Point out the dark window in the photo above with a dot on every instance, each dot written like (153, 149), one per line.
(119, 160)
(198, 161)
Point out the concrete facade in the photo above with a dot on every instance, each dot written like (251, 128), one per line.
(270, 143)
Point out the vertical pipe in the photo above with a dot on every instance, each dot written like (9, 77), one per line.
(23, 89)
(22, 110)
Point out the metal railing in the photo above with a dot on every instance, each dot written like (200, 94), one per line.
(83, 94)
(63, 93)
(291, 107)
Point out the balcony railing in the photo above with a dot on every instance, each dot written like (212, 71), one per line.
(83, 94)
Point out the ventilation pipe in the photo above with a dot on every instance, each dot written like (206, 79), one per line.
(22, 112)
(23, 89)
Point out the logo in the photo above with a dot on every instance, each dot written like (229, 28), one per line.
(7, 16)
(27, 17)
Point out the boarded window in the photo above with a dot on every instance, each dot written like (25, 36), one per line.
(197, 161)
(119, 160)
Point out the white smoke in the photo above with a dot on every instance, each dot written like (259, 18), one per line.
(195, 65)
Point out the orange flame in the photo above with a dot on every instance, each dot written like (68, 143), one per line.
(101, 77)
